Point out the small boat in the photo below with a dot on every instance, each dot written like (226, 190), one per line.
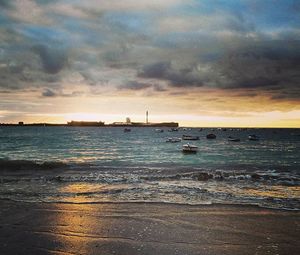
(211, 136)
(232, 139)
(190, 137)
(200, 130)
(126, 130)
(173, 140)
(189, 148)
(295, 134)
(173, 130)
(158, 130)
(253, 138)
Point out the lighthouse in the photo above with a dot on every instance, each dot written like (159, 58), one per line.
(147, 117)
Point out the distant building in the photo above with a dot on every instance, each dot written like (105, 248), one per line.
(85, 123)
(121, 124)
(142, 124)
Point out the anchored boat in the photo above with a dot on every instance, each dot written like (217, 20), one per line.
(211, 136)
(189, 148)
(253, 138)
(190, 137)
(173, 130)
(233, 139)
(173, 140)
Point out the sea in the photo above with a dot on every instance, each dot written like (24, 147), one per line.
(105, 164)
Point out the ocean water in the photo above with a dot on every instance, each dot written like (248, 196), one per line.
(104, 164)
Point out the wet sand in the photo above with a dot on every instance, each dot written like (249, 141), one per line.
(140, 228)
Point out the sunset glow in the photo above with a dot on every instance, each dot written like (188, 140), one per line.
(199, 63)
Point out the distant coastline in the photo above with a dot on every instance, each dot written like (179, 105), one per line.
(132, 124)
(94, 124)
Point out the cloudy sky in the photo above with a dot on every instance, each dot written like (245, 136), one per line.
(198, 62)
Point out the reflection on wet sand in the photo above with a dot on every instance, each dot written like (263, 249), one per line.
(75, 227)
(80, 192)
(277, 191)
(145, 228)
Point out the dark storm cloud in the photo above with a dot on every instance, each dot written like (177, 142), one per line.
(24, 72)
(246, 94)
(274, 64)
(159, 88)
(157, 70)
(45, 2)
(59, 93)
(187, 76)
(256, 65)
(134, 85)
(48, 93)
(53, 59)
(246, 45)
(10, 75)
(137, 85)
(287, 95)
(5, 3)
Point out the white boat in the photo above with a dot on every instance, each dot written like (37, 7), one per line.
(173, 140)
(173, 130)
(253, 138)
(190, 137)
(189, 148)
(158, 130)
(233, 139)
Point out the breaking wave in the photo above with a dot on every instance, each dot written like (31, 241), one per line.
(56, 171)
(24, 180)
(20, 165)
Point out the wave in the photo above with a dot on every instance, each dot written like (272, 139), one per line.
(85, 172)
(19, 165)
(113, 179)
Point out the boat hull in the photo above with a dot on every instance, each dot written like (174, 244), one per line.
(211, 136)
(190, 138)
(234, 140)
(189, 148)
(173, 140)
(253, 138)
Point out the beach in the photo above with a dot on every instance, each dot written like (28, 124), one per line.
(63, 192)
(145, 228)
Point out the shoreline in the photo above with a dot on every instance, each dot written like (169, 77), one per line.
(146, 228)
(157, 203)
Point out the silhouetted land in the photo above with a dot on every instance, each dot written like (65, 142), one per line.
(94, 124)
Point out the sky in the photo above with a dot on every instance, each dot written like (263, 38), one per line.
(197, 62)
